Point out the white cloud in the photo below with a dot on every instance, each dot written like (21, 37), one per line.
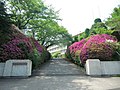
(80, 14)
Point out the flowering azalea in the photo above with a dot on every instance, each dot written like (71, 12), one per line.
(95, 47)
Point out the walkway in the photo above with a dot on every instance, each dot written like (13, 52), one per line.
(60, 75)
(59, 67)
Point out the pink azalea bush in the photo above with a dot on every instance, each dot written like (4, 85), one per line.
(37, 45)
(18, 46)
(14, 49)
(73, 50)
(95, 46)
(75, 47)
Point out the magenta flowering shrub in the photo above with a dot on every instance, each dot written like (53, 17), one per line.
(77, 46)
(11, 33)
(96, 47)
(37, 45)
(75, 49)
(15, 45)
(100, 38)
(15, 49)
(101, 51)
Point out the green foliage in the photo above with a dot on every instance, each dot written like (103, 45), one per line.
(24, 48)
(4, 38)
(4, 18)
(87, 32)
(104, 51)
(116, 33)
(101, 51)
(39, 21)
(29, 13)
(77, 57)
(51, 34)
(56, 54)
(114, 21)
(36, 58)
(17, 46)
(97, 20)
(99, 28)
(75, 39)
(100, 46)
(116, 47)
(81, 36)
(68, 55)
(45, 55)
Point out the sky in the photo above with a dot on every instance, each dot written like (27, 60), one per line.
(77, 15)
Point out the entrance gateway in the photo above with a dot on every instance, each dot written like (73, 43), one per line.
(59, 67)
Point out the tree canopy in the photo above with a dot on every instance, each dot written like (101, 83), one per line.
(38, 20)
(27, 13)
(4, 17)
(114, 20)
(51, 33)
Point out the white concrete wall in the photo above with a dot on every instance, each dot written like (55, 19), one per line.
(16, 68)
(110, 67)
(2, 66)
(97, 67)
(93, 67)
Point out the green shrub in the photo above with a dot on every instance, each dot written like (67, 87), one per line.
(102, 51)
(100, 46)
(116, 47)
(56, 54)
(15, 45)
(68, 55)
(36, 58)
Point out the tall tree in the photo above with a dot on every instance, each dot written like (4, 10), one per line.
(97, 20)
(51, 33)
(38, 20)
(24, 12)
(113, 22)
(4, 17)
(87, 32)
(99, 27)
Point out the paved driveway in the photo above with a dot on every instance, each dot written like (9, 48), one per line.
(59, 67)
(60, 75)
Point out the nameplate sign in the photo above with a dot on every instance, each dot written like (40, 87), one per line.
(19, 63)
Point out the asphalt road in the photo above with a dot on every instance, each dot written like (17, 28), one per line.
(60, 75)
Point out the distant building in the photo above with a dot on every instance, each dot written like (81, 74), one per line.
(57, 48)
(62, 49)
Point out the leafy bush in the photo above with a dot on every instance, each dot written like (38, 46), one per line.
(95, 46)
(39, 55)
(68, 55)
(116, 47)
(76, 46)
(75, 49)
(15, 49)
(18, 46)
(56, 54)
(36, 45)
(100, 51)
(100, 46)
(35, 57)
